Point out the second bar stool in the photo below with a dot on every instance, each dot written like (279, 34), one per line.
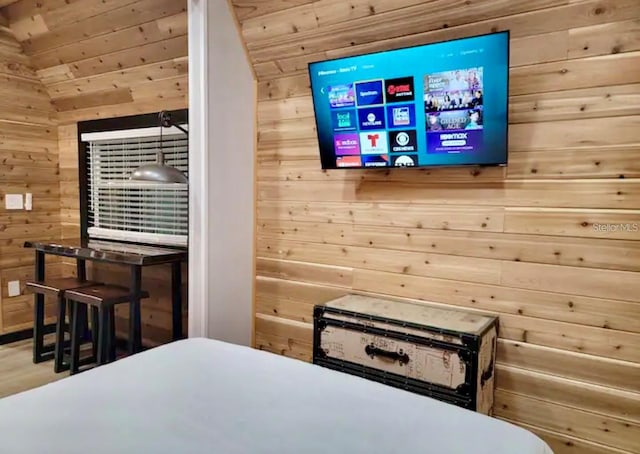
(57, 288)
(102, 300)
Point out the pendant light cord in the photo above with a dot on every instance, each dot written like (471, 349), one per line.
(160, 156)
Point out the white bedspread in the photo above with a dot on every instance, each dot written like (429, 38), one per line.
(204, 396)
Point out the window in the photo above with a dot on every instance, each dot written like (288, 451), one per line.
(122, 209)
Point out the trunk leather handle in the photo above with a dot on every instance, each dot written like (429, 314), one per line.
(374, 351)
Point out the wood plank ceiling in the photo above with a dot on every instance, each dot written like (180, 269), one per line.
(100, 58)
(520, 242)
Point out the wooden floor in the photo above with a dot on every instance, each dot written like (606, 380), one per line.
(17, 371)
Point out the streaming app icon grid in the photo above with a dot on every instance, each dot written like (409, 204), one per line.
(379, 125)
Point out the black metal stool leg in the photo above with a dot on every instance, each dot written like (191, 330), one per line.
(58, 364)
(76, 334)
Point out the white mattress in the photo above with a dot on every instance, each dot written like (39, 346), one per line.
(204, 396)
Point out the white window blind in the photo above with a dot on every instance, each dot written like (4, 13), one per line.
(140, 211)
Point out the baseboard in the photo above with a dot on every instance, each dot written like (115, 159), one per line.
(24, 334)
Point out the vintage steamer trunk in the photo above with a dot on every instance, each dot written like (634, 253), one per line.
(445, 354)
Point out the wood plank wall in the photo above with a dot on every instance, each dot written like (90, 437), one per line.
(103, 59)
(28, 164)
(520, 242)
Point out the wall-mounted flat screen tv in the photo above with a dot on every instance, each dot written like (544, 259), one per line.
(441, 104)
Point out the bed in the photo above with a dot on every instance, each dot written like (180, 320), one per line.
(206, 396)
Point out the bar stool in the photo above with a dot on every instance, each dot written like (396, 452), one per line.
(55, 287)
(102, 299)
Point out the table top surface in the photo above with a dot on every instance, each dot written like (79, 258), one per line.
(109, 251)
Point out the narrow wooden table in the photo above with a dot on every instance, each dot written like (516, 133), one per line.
(132, 255)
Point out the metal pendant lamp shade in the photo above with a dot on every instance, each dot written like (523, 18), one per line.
(160, 172)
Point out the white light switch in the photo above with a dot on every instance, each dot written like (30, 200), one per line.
(13, 201)
(14, 288)
(28, 201)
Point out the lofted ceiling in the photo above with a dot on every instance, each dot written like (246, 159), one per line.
(98, 57)
(283, 36)
(95, 54)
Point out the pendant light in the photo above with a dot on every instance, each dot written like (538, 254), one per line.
(160, 172)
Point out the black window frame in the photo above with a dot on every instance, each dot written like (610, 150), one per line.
(150, 120)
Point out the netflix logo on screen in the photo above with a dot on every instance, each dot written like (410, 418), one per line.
(400, 89)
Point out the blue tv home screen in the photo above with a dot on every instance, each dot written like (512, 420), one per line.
(442, 104)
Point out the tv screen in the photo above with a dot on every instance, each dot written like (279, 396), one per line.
(442, 104)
